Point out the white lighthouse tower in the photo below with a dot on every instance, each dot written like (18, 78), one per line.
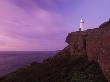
(81, 28)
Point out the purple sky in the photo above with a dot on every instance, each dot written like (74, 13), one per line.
(44, 24)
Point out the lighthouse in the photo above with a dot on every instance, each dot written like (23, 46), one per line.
(81, 28)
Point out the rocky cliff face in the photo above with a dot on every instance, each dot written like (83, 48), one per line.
(93, 42)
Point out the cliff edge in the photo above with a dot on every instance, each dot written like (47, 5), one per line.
(95, 43)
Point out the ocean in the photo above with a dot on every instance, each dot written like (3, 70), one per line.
(11, 60)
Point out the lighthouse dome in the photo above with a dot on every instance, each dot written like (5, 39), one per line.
(81, 21)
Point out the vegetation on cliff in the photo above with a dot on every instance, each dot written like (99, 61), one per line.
(60, 68)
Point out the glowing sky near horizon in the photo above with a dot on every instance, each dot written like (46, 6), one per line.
(44, 24)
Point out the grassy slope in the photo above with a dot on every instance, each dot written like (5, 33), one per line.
(60, 68)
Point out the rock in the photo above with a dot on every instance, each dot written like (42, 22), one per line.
(95, 43)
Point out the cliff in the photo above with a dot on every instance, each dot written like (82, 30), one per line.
(95, 43)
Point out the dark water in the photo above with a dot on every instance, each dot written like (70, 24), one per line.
(11, 60)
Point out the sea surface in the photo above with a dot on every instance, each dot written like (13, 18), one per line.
(11, 60)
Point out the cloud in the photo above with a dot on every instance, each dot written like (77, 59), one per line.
(26, 26)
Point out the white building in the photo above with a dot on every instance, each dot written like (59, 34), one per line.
(81, 28)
